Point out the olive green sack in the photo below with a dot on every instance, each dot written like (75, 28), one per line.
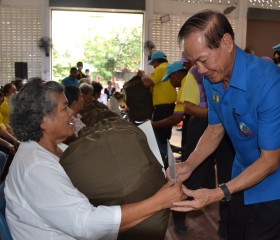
(138, 99)
(112, 164)
(91, 115)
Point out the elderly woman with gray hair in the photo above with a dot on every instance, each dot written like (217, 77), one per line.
(42, 202)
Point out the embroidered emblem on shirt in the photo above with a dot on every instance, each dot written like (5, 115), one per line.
(244, 128)
(216, 98)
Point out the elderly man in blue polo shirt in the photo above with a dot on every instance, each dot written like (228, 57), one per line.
(243, 93)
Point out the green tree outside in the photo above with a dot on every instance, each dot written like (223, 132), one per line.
(119, 52)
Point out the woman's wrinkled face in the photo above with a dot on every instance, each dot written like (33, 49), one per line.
(215, 63)
(58, 125)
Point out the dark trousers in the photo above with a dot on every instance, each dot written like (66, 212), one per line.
(254, 222)
(185, 129)
(8, 162)
(163, 134)
(224, 156)
(196, 128)
(204, 175)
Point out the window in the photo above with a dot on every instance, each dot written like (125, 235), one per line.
(108, 43)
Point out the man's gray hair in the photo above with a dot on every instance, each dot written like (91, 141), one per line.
(86, 88)
(213, 24)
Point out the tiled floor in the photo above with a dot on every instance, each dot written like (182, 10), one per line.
(202, 224)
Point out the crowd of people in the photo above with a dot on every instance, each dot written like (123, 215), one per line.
(227, 99)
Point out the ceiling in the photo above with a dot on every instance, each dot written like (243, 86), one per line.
(266, 4)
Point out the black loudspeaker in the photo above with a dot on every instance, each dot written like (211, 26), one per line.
(21, 70)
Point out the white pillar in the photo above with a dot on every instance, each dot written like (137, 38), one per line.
(148, 28)
(241, 23)
(46, 32)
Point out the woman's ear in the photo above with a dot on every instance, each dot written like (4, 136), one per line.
(44, 123)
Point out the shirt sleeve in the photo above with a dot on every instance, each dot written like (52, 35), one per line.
(63, 82)
(269, 116)
(54, 195)
(190, 90)
(158, 74)
(179, 108)
(5, 110)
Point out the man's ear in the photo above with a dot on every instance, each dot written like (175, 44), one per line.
(227, 41)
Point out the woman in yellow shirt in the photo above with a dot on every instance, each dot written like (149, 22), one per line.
(9, 90)
(8, 145)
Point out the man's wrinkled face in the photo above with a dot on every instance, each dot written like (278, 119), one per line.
(215, 63)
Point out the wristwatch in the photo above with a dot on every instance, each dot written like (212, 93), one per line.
(226, 192)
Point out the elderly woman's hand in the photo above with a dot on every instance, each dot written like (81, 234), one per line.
(16, 143)
(169, 194)
(11, 148)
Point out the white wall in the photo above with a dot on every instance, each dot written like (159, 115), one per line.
(188, 9)
(45, 20)
(24, 2)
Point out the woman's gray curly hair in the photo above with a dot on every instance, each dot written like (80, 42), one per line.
(30, 105)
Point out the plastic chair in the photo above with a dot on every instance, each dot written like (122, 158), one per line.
(4, 229)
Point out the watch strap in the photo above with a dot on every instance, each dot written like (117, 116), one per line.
(226, 192)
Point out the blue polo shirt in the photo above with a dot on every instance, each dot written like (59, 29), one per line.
(69, 81)
(249, 110)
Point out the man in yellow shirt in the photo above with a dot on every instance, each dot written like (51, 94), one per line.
(164, 97)
(176, 72)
